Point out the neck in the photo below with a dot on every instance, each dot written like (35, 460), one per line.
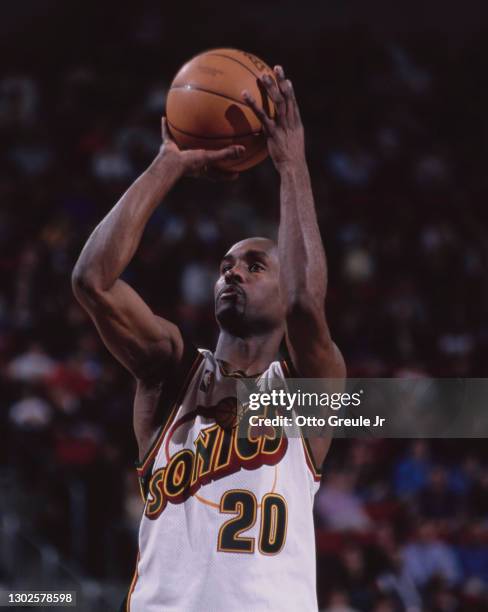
(250, 355)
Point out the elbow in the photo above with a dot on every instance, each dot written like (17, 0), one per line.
(83, 283)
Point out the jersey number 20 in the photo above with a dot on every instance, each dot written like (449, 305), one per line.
(272, 533)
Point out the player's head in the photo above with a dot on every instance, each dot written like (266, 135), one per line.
(247, 293)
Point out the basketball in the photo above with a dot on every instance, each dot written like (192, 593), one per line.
(205, 110)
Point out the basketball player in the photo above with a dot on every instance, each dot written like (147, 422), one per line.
(227, 521)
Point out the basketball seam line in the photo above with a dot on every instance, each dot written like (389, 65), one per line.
(237, 61)
(256, 76)
(210, 91)
(226, 137)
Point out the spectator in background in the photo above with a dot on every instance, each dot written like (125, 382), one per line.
(412, 470)
(392, 575)
(473, 557)
(427, 557)
(30, 413)
(357, 578)
(197, 282)
(435, 500)
(463, 476)
(32, 365)
(112, 165)
(338, 507)
(28, 446)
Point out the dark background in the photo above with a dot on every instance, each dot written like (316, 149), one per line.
(393, 99)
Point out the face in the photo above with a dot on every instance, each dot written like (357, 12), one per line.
(247, 292)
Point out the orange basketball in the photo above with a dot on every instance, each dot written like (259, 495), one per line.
(204, 108)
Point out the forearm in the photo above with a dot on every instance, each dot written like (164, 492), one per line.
(114, 241)
(301, 253)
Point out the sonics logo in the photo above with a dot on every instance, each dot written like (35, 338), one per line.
(217, 453)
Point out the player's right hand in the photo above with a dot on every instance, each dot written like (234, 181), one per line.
(199, 162)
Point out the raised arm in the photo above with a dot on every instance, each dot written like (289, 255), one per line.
(145, 344)
(303, 267)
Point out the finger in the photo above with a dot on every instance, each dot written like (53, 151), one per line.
(232, 152)
(286, 89)
(280, 79)
(266, 122)
(292, 110)
(275, 94)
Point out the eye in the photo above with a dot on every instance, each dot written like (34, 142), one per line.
(256, 267)
(225, 268)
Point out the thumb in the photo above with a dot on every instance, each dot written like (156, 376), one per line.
(232, 152)
(165, 133)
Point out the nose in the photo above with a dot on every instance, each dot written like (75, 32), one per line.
(233, 275)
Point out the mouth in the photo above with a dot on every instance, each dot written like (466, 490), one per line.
(230, 292)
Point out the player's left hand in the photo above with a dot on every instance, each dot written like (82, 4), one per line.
(285, 136)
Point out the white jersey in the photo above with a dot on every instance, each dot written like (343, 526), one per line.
(227, 523)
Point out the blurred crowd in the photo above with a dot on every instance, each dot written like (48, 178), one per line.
(395, 146)
(403, 526)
